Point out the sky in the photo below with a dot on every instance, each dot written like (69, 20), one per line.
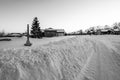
(71, 15)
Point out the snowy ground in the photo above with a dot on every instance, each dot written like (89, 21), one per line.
(19, 42)
(74, 58)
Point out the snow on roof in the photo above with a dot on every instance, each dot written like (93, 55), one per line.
(57, 30)
(116, 29)
(60, 30)
(42, 30)
(104, 30)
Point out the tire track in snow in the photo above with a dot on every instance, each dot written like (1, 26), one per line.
(109, 59)
(92, 67)
(101, 55)
(104, 63)
(100, 64)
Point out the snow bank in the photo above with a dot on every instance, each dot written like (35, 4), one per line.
(71, 59)
(62, 60)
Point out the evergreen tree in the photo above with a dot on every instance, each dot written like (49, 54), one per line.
(35, 30)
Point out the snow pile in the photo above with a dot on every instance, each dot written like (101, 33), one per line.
(71, 59)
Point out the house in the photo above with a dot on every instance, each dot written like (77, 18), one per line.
(60, 32)
(50, 32)
(116, 31)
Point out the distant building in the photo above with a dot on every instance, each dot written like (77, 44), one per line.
(15, 35)
(116, 31)
(60, 32)
(50, 32)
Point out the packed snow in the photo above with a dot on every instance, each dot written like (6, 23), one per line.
(18, 42)
(74, 58)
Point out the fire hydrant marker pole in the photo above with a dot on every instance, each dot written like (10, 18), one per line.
(28, 41)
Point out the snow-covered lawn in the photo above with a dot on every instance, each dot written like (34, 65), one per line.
(94, 57)
(17, 42)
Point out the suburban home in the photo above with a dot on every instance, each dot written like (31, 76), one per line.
(50, 32)
(60, 32)
(116, 31)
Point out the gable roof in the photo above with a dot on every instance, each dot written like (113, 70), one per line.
(60, 30)
(57, 30)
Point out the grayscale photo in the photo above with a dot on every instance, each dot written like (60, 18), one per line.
(59, 39)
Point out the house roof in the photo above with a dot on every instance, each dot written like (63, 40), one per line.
(116, 29)
(42, 30)
(104, 30)
(57, 30)
(60, 30)
(48, 29)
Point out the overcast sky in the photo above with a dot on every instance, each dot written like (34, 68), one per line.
(70, 15)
